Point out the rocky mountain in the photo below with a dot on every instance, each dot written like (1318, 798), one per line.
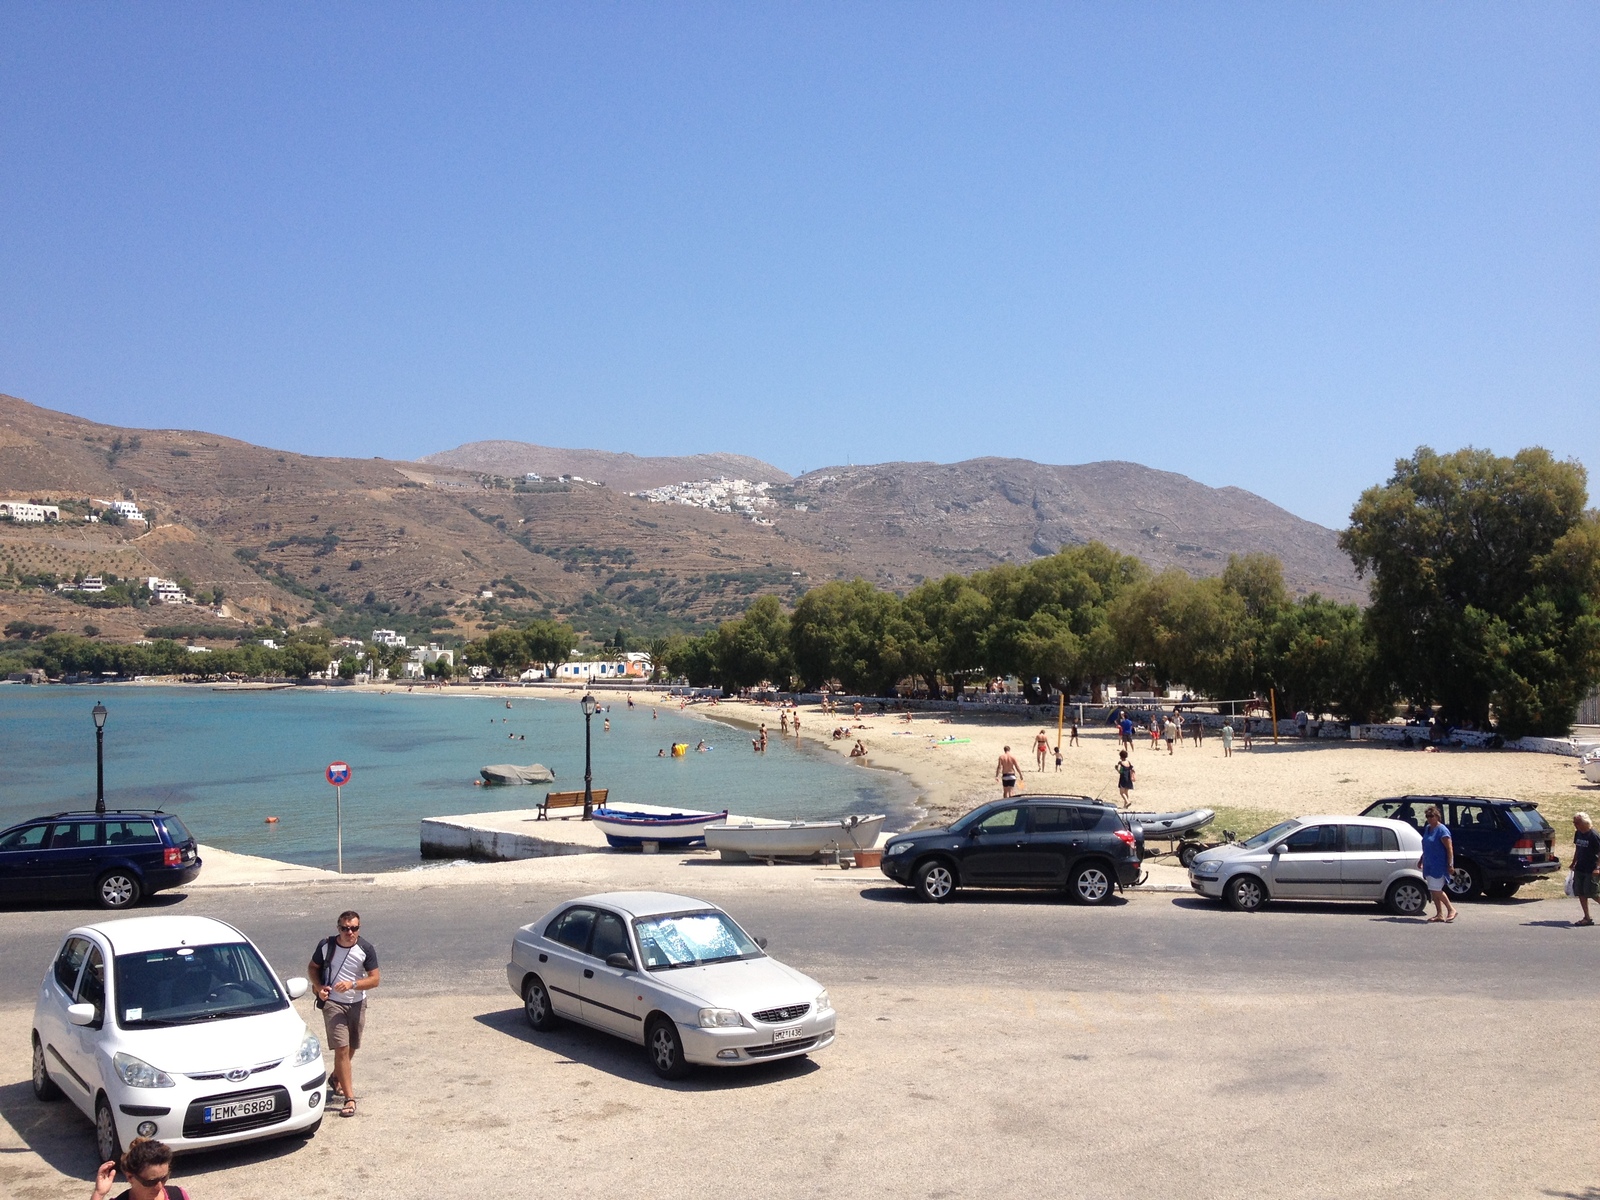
(625, 472)
(359, 543)
(917, 519)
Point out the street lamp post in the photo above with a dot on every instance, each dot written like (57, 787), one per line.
(589, 706)
(99, 715)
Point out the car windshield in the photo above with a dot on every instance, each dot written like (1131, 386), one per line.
(1267, 836)
(1528, 820)
(189, 984)
(691, 940)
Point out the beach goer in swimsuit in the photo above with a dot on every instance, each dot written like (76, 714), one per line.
(1006, 771)
(1124, 778)
(1058, 760)
(1072, 740)
(1041, 747)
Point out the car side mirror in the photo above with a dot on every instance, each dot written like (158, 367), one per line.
(80, 1014)
(973, 831)
(1278, 849)
(762, 942)
(620, 960)
(297, 987)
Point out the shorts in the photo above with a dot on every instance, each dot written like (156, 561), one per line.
(1435, 882)
(1008, 781)
(1585, 884)
(344, 1024)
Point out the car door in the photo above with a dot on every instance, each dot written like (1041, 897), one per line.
(610, 994)
(1371, 855)
(1308, 865)
(994, 847)
(1057, 840)
(22, 860)
(1474, 831)
(563, 958)
(72, 859)
(85, 1039)
(55, 1031)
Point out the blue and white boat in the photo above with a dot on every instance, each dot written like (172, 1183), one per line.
(632, 828)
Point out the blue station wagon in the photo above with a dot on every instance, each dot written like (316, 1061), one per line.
(117, 856)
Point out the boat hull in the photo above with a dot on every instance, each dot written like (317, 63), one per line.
(797, 839)
(630, 831)
(1168, 824)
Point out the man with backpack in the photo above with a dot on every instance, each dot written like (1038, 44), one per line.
(343, 969)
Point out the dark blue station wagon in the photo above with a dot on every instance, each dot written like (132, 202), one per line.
(117, 856)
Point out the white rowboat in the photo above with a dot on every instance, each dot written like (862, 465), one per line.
(793, 839)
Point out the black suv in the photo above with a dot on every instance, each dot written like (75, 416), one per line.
(119, 855)
(1499, 844)
(1062, 842)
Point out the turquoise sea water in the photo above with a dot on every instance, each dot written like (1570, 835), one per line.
(227, 760)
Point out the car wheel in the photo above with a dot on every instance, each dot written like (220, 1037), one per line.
(1465, 882)
(1245, 893)
(106, 1142)
(1091, 884)
(1501, 891)
(936, 881)
(666, 1049)
(118, 889)
(1406, 897)
(536, 1005)
(1187, 853)
(44, 1088)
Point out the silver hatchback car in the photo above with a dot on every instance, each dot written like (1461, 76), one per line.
(1318, 858)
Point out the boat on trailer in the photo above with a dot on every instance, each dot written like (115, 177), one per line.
(742, 839)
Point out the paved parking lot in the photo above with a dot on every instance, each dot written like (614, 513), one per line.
(992, 1047)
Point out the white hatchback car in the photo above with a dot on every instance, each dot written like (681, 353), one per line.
(175, 1028)
(674, 974)
(1318, 858)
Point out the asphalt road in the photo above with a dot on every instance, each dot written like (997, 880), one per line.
(454, 938)
(1003, 1046)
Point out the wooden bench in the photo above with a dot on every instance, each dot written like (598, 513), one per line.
(568, 800)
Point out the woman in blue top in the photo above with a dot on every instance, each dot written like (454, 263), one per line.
(1438, 860)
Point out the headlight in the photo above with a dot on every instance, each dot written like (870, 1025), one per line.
(135, 1072)
(310, 1050)
(897, 848)
(823, 1002)
(714, 1018)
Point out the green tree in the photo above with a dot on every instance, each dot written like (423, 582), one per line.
(755, 648)
(548, 641)
(1485, 584)
(851, 633)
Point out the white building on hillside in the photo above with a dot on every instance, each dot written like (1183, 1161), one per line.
(388, 637)
(35, 513)
(164, 591)
(127, 510)
(421, 659)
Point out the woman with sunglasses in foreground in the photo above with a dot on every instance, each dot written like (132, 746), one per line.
(148, 1166)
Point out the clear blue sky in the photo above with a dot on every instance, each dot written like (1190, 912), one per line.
(1271, 245)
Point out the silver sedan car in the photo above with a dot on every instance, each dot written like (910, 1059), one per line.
(671, 973)
(1318, 858)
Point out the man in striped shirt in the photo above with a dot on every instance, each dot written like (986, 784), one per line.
(343, 969)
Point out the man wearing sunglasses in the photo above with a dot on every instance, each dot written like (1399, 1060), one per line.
(343, 969)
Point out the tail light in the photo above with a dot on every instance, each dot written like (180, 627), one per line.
(171, 857)
(1522, 848)
(1125, 837)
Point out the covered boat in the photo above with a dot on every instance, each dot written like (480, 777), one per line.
(1171, 824)
(509, 773)
(627, 829)
(793, 839)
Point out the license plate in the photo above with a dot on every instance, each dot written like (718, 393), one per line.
(239, 1108)
(786, 1035)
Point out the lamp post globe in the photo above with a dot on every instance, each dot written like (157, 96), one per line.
(589, 704)
(99, 715)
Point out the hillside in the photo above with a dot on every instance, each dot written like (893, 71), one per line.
(358, 543)
(625, 472)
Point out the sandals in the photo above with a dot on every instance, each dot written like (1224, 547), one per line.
(1585, 921)
(349, 1109)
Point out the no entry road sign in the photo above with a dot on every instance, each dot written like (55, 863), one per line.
(338, 774)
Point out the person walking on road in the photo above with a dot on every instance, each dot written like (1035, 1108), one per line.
(1438, 860)
(1006, 771)
(1124, 778)
(148, 1166)
(1585, 864)
(343, 969)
